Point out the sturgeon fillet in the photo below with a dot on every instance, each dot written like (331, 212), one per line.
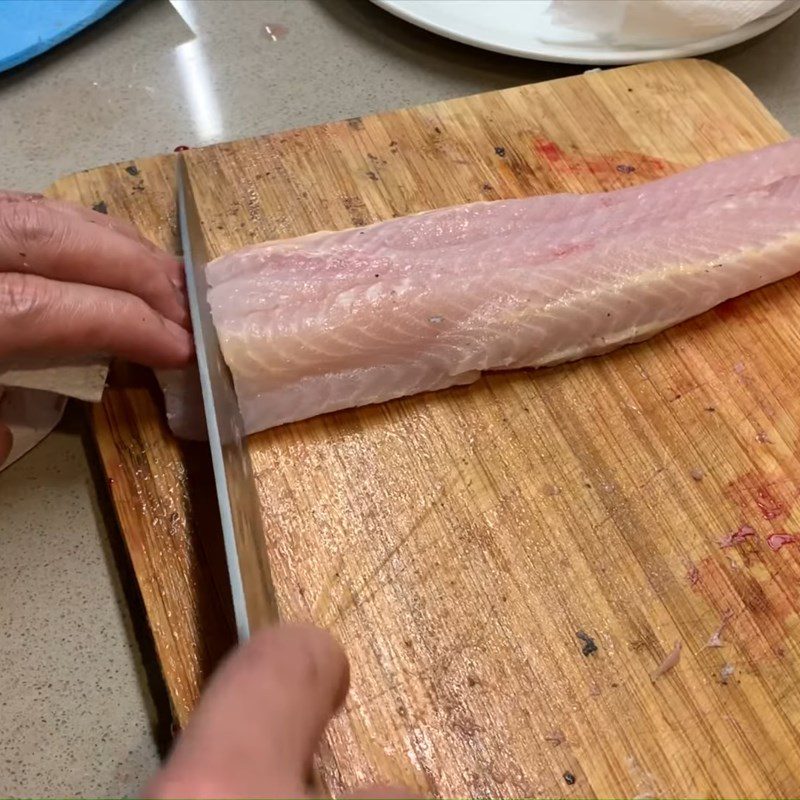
(334, 320)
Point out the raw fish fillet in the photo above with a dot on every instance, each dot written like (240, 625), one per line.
(335, 320)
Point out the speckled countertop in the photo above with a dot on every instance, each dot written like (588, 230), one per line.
(74, 701)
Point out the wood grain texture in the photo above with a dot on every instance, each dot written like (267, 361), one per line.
(457, 542)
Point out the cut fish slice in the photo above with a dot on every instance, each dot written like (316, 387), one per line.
(335, 320)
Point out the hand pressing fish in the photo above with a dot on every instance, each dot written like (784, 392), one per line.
(335, 320)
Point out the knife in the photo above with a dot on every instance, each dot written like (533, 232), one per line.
(252, 590)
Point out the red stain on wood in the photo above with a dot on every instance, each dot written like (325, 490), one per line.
(769, 507)
(760, 613)
(771, 497)
(616, 163)
(548, 150)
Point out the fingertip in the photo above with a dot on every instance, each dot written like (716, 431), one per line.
(311, 657)
(167, 346)
(175, 271)
(180, 313)
(181, 346)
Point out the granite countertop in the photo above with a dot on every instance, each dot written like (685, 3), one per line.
(76, 702)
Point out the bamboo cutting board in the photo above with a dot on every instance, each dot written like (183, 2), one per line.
(507, 564)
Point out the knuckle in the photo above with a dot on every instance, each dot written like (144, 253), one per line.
(22, 296)
(155, 286)
(31, 223)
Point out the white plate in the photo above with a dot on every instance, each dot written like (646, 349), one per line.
(523, 28)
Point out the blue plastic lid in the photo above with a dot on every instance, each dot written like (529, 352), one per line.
(31, 27)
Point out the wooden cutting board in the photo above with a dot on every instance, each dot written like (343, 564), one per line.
(471, 547)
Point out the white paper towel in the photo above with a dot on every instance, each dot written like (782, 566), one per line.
(657, 23)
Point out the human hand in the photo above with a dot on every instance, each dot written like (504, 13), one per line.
(76, 282)
(258, 725)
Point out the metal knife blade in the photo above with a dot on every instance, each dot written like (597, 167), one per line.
(240, 512)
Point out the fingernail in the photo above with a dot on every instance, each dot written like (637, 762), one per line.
(185, 343)
(181, 315)
(179, 280)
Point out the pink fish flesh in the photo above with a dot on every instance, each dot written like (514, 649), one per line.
(334, 320)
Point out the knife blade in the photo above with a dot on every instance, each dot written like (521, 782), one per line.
(252, 591)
